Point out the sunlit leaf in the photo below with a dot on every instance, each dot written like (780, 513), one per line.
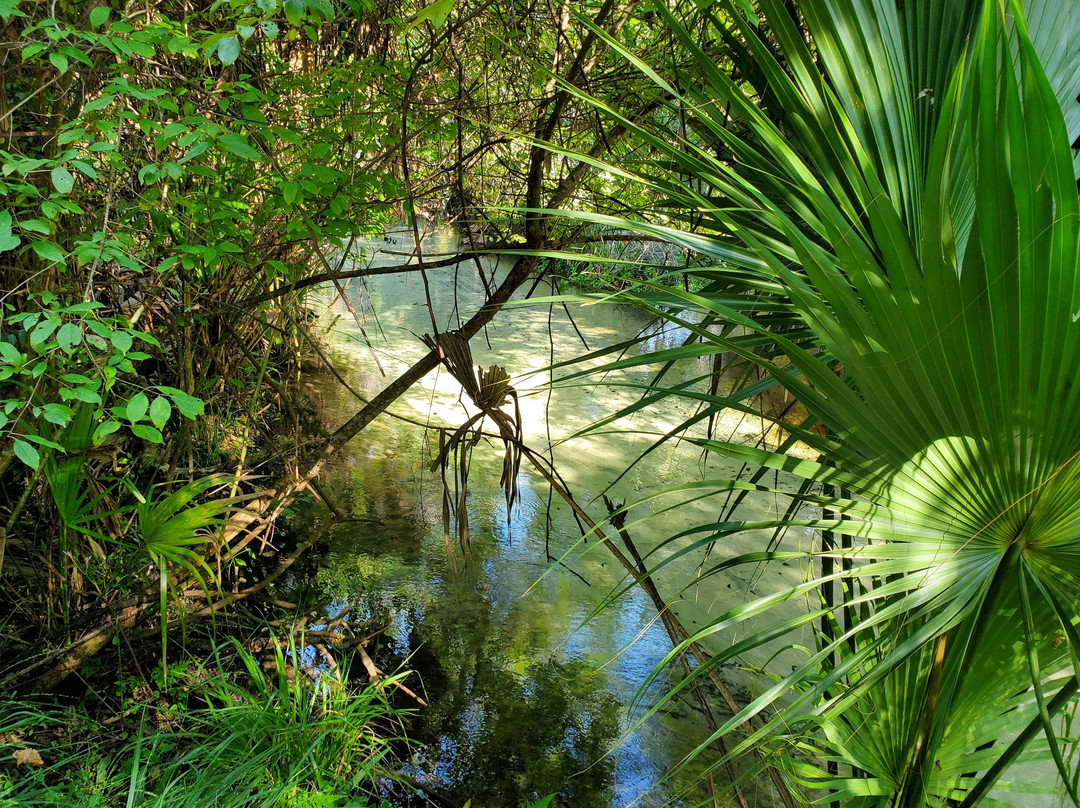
(160, 410)
(240, 147)
(63, 180)
(228, 50)
(136, 407)
(189, 406)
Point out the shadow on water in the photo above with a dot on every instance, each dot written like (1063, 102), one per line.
(503, 728)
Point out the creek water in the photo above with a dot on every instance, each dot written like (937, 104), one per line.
(532, 676)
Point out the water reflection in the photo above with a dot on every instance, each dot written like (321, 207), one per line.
(507, 726)
(529, 690)
(518, 705)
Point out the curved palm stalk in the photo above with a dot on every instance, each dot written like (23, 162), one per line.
(908, 218)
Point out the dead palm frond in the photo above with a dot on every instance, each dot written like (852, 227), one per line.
(490, 390)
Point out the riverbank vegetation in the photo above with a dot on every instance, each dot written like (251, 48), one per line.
(897, 243)
(870, 205)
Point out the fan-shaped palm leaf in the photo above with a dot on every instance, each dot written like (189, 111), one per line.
(898, 241)
(177, 533)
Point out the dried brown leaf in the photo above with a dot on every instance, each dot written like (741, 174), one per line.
(28, 757)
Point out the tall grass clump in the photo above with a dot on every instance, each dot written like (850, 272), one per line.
(271, 733)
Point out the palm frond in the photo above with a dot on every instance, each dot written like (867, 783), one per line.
(910, 205)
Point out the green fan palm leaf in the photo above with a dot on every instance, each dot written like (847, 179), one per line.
(178, 535)
(897, 234)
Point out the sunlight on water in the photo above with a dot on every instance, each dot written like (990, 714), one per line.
(530, 686)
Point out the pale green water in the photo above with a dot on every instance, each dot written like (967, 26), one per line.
(529, 690)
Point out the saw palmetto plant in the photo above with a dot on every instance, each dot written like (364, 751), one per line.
(888, 193)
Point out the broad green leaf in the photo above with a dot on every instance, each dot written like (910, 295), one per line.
(82, 308)
(228, 50)
(121, 340)
(99, 15)
(35, 226)
(48, 251)
(294, 11)
(69, 336)
(142, 48)
(27, 454)
(7, 240)
(76, 54)
(58, 414)
(99, 103)
(104, 429)
(40, 441)
(189, 406)
(63, 179)
(436, 14)
(99, 328)
(85, 168)
(31, 50)
(324, 8)
(160, 410)
(43, 330)
(136, 407)
(240, 147)
(9, 9)
(195, 151)
(9, 353)
(147, 433)
(288, 135)
(60, 62)
(81, 394)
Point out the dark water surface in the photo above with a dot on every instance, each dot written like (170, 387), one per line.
(530, 683)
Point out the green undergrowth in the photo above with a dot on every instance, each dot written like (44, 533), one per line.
(234, 730)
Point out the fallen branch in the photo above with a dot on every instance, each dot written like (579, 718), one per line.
(375, 675)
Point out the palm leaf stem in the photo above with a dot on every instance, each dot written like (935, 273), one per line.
(911, 789)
